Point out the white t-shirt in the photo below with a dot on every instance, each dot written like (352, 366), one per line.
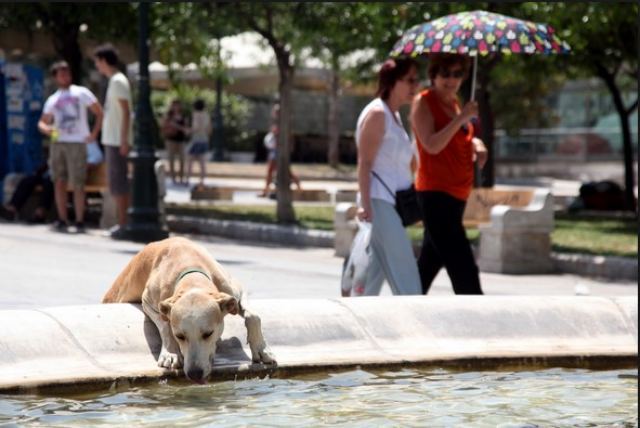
(118, 88)
(69, 109)
(270, 141)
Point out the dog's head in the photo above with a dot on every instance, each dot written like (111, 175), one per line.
(197, 321)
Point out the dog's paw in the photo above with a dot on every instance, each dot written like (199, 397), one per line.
(169, 360)
(264, 355)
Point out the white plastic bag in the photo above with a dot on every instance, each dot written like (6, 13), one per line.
(354, 271)
(94, 154)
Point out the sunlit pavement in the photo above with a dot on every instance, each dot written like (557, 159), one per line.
(40, 267)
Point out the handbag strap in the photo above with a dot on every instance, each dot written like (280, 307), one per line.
(393, 195)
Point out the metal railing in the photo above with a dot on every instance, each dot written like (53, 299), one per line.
(562, 144)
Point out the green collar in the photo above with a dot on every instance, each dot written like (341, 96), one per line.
(188, 271)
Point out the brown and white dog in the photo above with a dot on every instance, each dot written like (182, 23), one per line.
(186, 293)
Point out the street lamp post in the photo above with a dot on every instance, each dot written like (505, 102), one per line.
(144, 217)
(218, 135)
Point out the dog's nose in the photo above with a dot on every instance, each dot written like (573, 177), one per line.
(195, 374)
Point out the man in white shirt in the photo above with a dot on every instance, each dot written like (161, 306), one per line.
(117, 130)
(64, 121)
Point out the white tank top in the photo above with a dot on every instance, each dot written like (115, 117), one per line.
(393, 160)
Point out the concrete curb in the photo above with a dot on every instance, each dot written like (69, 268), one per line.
(100, 344)
(579, 264)
(598, 266)
(286, 235)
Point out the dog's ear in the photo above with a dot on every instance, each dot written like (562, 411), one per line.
(165, 309)
(228, 303)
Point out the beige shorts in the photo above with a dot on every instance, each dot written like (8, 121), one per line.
(68, 162)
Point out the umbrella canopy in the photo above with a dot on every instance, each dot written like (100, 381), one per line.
(479, 33)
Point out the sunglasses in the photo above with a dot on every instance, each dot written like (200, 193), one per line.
(445, 74)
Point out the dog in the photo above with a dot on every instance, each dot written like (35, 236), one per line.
(187, 294)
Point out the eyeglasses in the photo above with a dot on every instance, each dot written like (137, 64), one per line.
(456, 74)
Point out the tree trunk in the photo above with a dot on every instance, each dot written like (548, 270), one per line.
(627, 143)
(333, 122)
(65, 41)
(285, 213)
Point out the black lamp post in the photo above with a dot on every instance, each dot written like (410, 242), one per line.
(144, 216)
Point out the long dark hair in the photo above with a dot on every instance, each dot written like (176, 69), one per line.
(390, 72)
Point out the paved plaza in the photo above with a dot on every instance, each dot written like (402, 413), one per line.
(42, 268)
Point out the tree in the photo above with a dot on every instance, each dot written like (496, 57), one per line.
(332, 42)
(280, 24)
(69, 22)
(604, 42)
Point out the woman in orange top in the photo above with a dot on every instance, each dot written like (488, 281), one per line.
(447, 150)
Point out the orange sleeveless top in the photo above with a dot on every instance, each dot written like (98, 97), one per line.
(451, 170)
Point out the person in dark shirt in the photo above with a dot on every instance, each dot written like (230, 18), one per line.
(26, 187)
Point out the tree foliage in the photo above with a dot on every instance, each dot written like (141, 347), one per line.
(65, 22)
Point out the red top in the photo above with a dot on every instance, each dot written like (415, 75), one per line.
(451, 170)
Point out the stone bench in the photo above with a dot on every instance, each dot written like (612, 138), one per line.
(515, 227)
(517, 240)
(96, 183)
(199, 193)
(225, 193)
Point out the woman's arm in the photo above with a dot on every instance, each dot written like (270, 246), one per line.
(422, 123)
(370, 140)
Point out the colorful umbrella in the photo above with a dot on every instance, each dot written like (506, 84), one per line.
(479, 33)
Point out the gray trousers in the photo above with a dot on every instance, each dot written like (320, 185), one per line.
(391, 252)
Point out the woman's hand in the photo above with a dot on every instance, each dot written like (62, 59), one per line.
(365, 214)
(480, 152)
(469, 111)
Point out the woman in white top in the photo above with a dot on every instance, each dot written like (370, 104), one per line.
(385, 153)
(200, 132)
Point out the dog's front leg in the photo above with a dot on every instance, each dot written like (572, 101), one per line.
(170, 356)
(260, 351)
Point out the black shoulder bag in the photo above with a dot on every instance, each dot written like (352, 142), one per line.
(406, 202)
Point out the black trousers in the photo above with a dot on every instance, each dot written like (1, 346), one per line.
(445, 244)
(25, 188)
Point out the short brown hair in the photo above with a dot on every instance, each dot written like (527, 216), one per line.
(444, 61)
(58, 65)
(390, 72)
(108, 53)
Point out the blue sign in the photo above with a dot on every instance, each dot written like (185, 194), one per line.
(22, 97)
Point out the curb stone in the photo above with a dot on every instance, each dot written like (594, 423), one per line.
(598, 266)
(96, 345)
(611, 267)
(246, 230)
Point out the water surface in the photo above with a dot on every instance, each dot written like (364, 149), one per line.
(409, 397)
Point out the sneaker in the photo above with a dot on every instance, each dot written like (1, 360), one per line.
(80, 227)
(59, 226)
(117, 232)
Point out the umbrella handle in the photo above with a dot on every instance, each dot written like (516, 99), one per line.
(473, 78)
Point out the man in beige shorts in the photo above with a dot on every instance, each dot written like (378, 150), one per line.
(64, 121)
